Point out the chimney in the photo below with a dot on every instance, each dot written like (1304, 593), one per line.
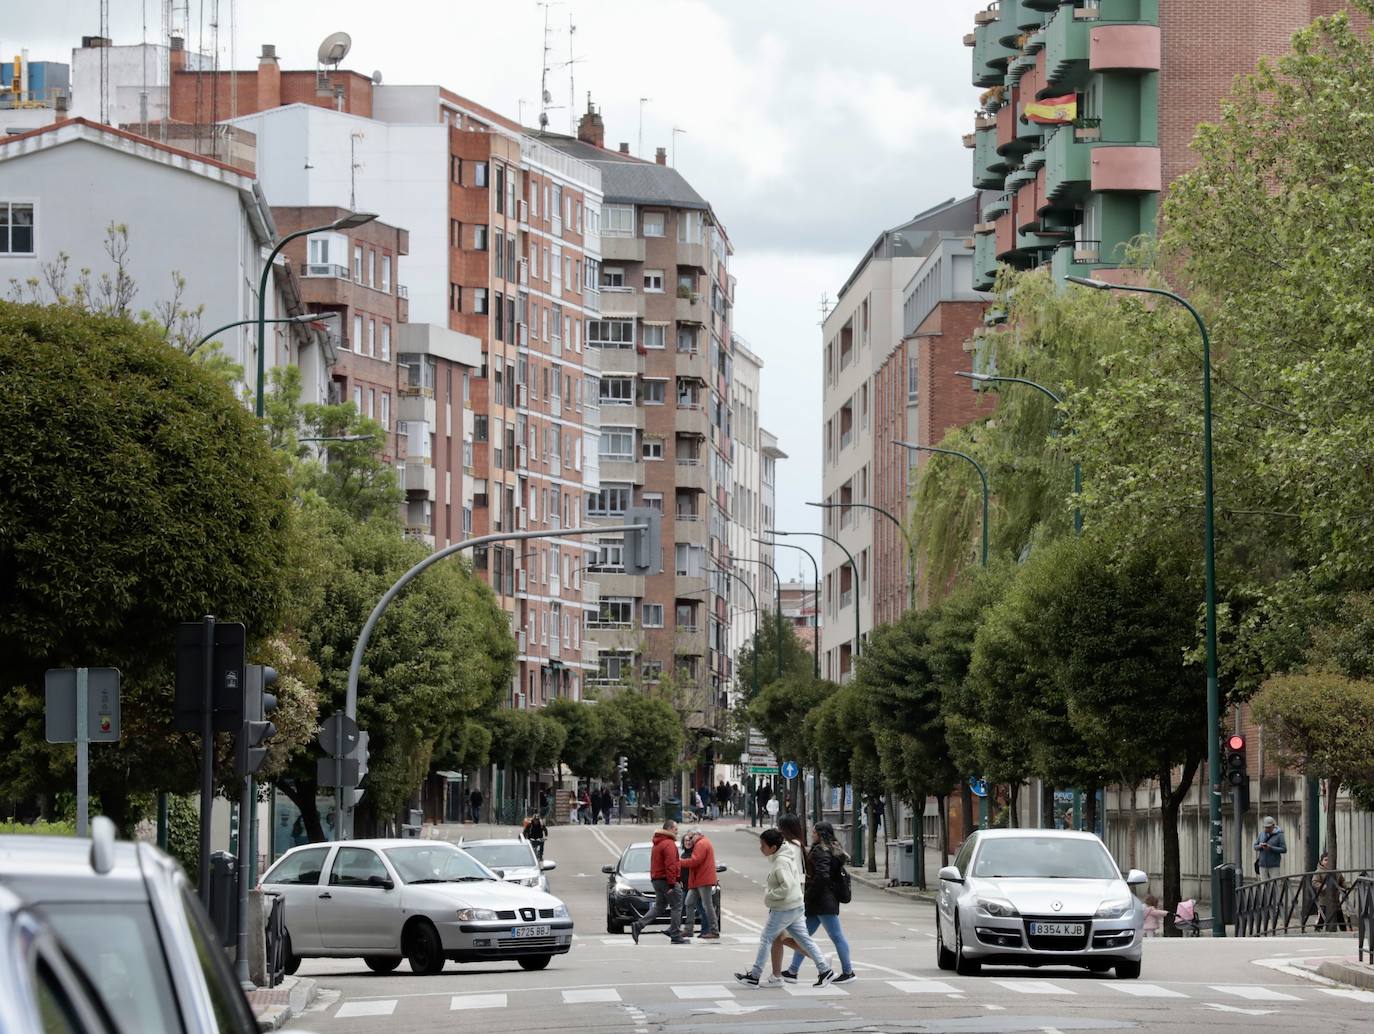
(269, 78)
(624, 147)
(590, 128)
(661, 156)
(176, 58)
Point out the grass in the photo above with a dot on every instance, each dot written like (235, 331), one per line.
(39, 829)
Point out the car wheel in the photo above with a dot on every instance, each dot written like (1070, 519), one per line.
(944, 958)
(535, 961)
(423, 950)
(381, 963)
(1128, 970)
(290, 962)
(963, 965)
(614, 925)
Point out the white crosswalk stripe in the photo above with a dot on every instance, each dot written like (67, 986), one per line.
(592, 994)
(371, 1008)
(923, 987)
(494, 1001)
(1255, 993)
(1130, 987)
(1344, 992)
(807, 991)
(1034, 987)
(690, 991)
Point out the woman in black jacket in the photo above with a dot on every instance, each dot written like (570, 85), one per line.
(825, 863)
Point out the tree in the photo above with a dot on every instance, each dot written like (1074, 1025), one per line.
(589, 742)
(139, 494)
(771, 638)
(525, 742)
(647, 731)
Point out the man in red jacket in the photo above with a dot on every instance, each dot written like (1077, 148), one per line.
(700, 864)
(665, 869)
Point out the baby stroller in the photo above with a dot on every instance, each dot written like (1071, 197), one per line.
(1187, 919)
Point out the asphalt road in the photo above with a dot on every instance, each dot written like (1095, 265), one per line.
(606, 983)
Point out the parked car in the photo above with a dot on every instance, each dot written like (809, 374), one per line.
(131, 923)
(630, 891)
(42, 989)
(1038, 897)
(513, 860)
(424, 901)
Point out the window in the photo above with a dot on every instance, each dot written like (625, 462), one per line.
(653, 500)
(358, 263)
(358, 867)
(386, 273)
(319, 249)
(479, 174)
(617, 391)
(611, 333)
(479, 238)
(653, 615)
(371, 337)
(686, 340)
(500, 256)
(303, 867)
(654, 392)
(616, 611)
(612, 278)
(690, 560)
(386, 342)
(455, 169)
(612, 500)
(455, 298)
(617, 443)
(479, 299)
(371, 403)
(689, 227)
(653, 281)
(618, 221)
(653, 224)
(651, 671)
(610, 555)
(371, 267)
(655, 335)
(386, 410)
(479, 427)
(499, 332)
(500, 189)
(358, 399)
(357, 333)
(653, 448)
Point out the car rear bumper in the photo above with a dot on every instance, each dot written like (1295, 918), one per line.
(1008, 941)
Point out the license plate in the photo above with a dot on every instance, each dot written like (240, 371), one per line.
(530, 931)
(1056, 929)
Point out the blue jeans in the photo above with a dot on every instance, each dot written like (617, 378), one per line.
(791, 921)
(835, 932)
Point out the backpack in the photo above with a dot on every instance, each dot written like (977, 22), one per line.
(844, 887)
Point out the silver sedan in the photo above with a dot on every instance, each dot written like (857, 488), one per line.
(1038, 897)
(424, 901)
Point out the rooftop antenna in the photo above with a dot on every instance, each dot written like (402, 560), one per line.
(676, 131)
(104, 62)
(545, 97)
(642, 101)
(572, 84)
(825, 307)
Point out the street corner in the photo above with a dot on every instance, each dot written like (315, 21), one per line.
(274, 1007)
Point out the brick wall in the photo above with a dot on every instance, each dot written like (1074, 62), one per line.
(196, 96)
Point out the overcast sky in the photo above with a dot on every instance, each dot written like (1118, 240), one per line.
(810, 125)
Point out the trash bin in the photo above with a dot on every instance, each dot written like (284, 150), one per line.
(901, 861)
(224, 897)
(1227, 873)
(672, 809)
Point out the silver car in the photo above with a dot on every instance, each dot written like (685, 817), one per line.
(424, 901)
(513, 860)
(1038, 897)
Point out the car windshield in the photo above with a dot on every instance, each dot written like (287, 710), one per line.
(1052, 858)
(502, 856)
(636, 860)
(436, 863)
(117, 946)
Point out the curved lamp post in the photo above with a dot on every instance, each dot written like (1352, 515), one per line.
(983, 474)
(311, 317)
(910, 542)
(816, 609)
(1209, 563)
(777, 599)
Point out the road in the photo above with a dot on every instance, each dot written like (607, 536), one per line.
(608, 984)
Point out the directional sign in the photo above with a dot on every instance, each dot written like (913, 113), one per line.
(790, 770)
(763, 770)
(978, 787)
(102, 705)
(338, 734)
(336, 771)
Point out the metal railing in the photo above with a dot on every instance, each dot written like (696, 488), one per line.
(1322, 900)
(1364, 917)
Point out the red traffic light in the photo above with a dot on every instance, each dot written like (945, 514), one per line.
(1235, 742)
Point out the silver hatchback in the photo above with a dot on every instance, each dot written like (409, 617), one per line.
(1038, 897)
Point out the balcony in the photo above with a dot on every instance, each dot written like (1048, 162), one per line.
(1005, 235)
(622, 302)
(694, 365)
(416, 407)
(691, 420)
(989, 55)
(419, 477)
(1124, 48)
(1068, 47)
(326, 269)
(693, 256)
(622, 249)
(616, 583)
(1125, 168)
(989, 167)
(691, 309)
(625, 361)
(622, 469)
(984, 261)
(691, 474)
(1068, 163)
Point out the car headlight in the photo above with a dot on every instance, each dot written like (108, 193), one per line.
(476, 915)
(560, 911)
(999, 907)
(621, 887)
(529, 881)
(1115, 908)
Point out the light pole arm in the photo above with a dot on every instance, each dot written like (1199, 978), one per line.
(262, 306)
(302, 320)
(910, 542)
(815, 599)
(983, 474)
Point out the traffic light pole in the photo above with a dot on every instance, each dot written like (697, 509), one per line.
(245, 848)
(207, 757)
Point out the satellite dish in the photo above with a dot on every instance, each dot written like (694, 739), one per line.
(377, 77)
(335, 48)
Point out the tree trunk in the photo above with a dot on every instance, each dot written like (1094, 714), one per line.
(1171, 799)
(872, 835)
(1331, 889)
(1013, 805)
(1131, 832)
(1090, 808)
(966, 799)
(303, 797)
(942, 806)
(1046, 806)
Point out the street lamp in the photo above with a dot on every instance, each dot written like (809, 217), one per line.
(1209, 564)
(304, 318)
(347, 222)
(910, 542)
(777, 601)
(988, 378)
(983, 474)
(338, 438)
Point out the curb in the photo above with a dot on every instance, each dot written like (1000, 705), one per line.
(1348, 971)
(300, 991)
(869, 879)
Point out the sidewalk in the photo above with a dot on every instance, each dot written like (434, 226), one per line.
(877, 880)
(275, 1006)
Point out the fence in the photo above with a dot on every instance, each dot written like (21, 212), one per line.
(1364, 916)
(1324, 900)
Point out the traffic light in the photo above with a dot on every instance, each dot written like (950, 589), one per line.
(644, 548)
(1236, 772)
(256, 729)
(361, 753)
(226, 681)
(622, 764)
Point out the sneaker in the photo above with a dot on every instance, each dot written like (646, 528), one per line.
(708, 937)
(747, 979)
(845, 978)
(678, 940)
(824, 978)
(634, 932)
(789, 975)
(771, 981)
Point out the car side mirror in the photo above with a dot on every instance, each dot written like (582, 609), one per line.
(1136, 878)
(720, 868)
(380, 881)
(547, 866)
(500, 873)
(952, 874)
(609, 870)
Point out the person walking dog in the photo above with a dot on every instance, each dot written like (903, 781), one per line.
(783, 897)
(665, 870)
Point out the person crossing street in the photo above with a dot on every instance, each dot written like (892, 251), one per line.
(700, 864)
(665, 870)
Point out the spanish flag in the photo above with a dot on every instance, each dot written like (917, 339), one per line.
(1052, 111)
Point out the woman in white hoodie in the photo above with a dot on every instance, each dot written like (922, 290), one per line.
(783, 895)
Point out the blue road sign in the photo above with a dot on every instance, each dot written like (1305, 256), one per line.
(978, 787)
(790, 770)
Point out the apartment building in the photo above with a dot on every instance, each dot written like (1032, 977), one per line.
(667, 369)
(863, 379)
(1142, 74)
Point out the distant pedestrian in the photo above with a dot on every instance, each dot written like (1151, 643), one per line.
(665, 870)
(722, 798)
(772, 811)
(1270, 847)
(584, 808)
(1154, 916)
(879, 809)
(761, 798)
(596, 805)
(700, 864)
(543, 802)
(475, 805)
(783, 897)
(607, 804)
(535, 832)
(825, 864)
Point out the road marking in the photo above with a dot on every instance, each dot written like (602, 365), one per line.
(1034, 987)
(1130, 987)
(1341, 992)
(702, 991)
(1254, 993)
(994, 1008)
(1236, 1008)
(922, 987)
(807, 991)
(730, 1007)
(595, 994)
(477, 1002)
(375, 1008)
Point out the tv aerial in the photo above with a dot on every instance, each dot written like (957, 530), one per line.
(335, 48)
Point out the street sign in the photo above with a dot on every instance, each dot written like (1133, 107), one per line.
(763, 770)
(978, 787)
(790, 770)
(102, 705)
(226, 686)
(338, 734)
(336, 771)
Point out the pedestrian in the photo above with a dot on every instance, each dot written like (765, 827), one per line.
(772, 811)
(543, 802)
(1154, 916)
(722, 798)
(1270, 847)
(1327, 888)
(791, 829)
(736, 799)
(879, 808)
(607, 804)
(584, 808)
(824, 878)
(782, 896)
(699, 862)
(761, 798)
(535, 832)
(475, 805)
(665, 870)
(596, 805)
(696, 804)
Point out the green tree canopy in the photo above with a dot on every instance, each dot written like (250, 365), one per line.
(647, 731)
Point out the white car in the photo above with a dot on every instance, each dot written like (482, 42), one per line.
(422, 900)
(513, 860)
(1038, 897)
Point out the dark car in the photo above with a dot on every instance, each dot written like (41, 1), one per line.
(630, 891)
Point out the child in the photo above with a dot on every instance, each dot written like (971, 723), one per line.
(783, 896)
(1154, 916)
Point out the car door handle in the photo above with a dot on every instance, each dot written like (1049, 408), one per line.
(326, 894)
